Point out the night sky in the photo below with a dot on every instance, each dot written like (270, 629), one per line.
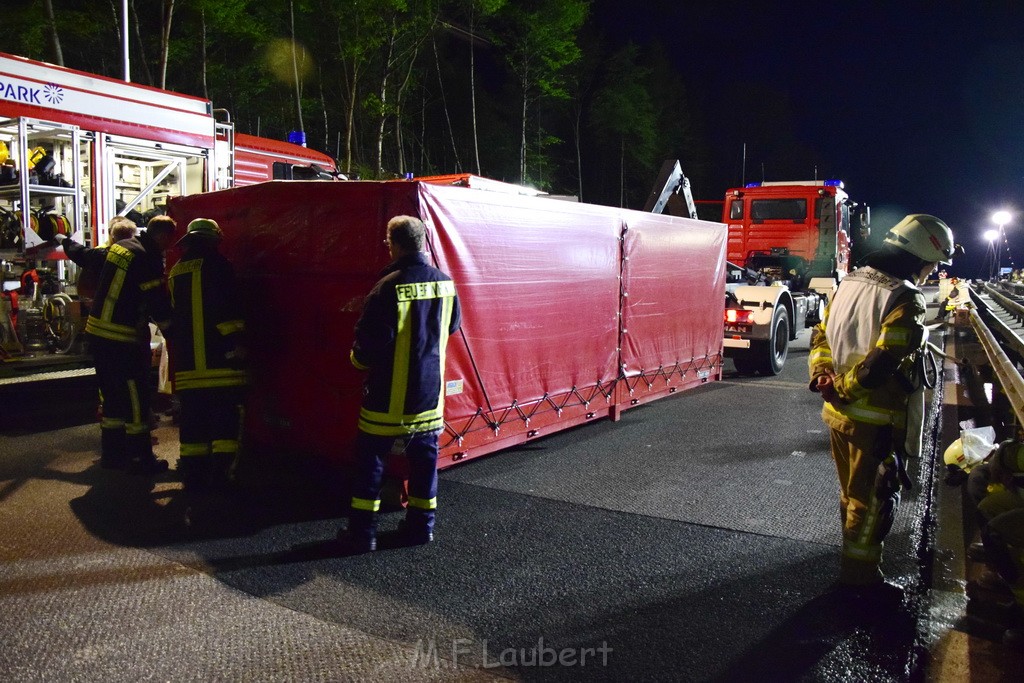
(917, 106)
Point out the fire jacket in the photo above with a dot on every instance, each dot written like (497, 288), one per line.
(90, 260)
(130, 292)
(207, 321)
(401, 339)
(871, 327)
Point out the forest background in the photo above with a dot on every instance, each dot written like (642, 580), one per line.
(529, 91)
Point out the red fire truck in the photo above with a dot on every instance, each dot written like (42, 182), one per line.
(788, 248)
(794, 237)
(77, 149)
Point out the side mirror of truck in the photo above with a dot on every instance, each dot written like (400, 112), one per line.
(865, 222)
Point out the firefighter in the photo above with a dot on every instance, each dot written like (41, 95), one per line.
(871, 330)
(400, 341)
(91, 259)
(999, 494)
(206, 354)
(131, 291)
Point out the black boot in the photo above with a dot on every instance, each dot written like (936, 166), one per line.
(114, 448)
(141, 457)
(194, 472)
(222, 466)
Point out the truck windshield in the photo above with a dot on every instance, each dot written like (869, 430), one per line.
(778, 209)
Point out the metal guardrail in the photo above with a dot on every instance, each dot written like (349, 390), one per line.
(1005, 370)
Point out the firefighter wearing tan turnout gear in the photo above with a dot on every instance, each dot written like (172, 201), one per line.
(861, 352)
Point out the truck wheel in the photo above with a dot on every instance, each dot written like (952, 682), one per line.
(774, 351)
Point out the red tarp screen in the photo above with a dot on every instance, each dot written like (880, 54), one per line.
(548, 290)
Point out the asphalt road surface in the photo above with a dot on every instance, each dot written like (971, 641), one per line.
(694, 540)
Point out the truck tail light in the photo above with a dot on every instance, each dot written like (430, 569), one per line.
(739, 316)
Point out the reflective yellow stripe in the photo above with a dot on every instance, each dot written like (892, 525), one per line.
(355, 362)
(225, 446)
(400, 365)
(865, 552)
(204, 379)
(231, 326)
(400, 430)
(419, 291)
(819, 355)
(892, 336)
(388, 418)
(446, 319)
(137, 417)
(112, 331)
(186, 450)
(111, 423)
(423, 503)
(198, 330)
(864, 413)
(365, 504)
(112, 295)
(151, 284)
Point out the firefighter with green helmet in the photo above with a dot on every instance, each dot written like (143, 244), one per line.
(871, 330)
(206, 355)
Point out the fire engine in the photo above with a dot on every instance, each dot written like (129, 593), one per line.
(77, 149)
(789, 245)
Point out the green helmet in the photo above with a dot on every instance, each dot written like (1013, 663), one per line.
(202, 228)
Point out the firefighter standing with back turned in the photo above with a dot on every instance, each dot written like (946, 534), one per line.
(872, 331)
(400, 340)
(130, 292)
(206, 353)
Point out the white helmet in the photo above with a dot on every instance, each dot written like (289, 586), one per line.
(924, 236)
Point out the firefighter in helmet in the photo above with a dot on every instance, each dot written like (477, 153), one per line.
(871, 330)
(206, 354)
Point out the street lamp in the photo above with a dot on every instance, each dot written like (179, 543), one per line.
(990, 267)
(1000, 218)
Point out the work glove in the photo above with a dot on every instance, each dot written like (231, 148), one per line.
(59, 238)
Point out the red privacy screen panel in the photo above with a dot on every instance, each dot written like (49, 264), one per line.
(571, 311)
(674, 285)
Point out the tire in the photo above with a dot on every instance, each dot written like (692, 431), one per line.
(772, 353)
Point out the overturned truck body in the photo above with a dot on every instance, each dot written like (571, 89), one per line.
(571, 312)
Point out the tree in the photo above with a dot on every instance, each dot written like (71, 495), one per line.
(539, 37)
(624, 118)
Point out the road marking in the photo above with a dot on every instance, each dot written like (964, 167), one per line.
(766, 384)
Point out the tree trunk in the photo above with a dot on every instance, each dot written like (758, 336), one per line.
(383, 97)
(472, 83)
(165, 41)
(323, 106)
(51, 25)
(202, 52)
(399, 100)
(522, 141)
(295, 66)
(142, 50)
(447, 115)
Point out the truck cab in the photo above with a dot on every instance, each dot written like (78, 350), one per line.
(789, 245)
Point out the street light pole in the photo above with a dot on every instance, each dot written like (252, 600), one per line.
(1001, 218)
(991, 267)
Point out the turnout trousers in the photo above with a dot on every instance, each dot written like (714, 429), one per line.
(868, 497)
(123, 373)
(421, 451)
(209, 428)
